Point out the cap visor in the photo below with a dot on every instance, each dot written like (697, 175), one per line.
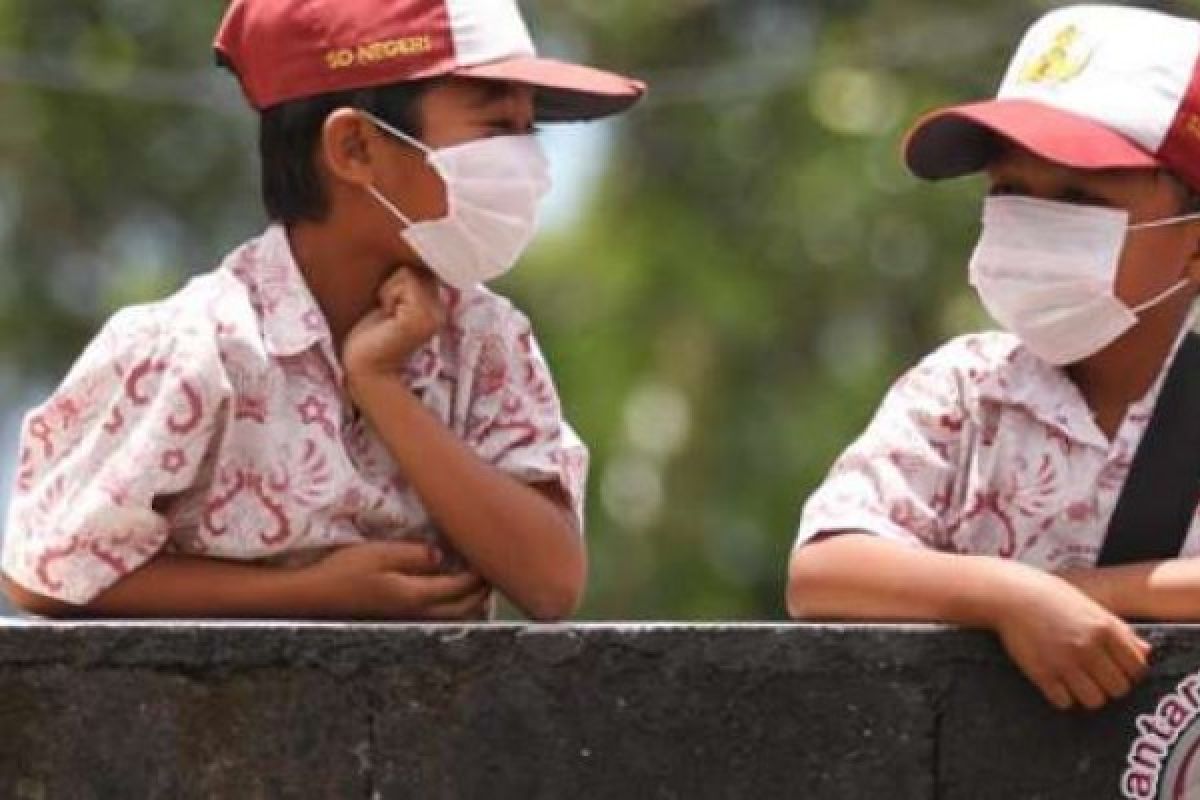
(964, 139)
(565, 92)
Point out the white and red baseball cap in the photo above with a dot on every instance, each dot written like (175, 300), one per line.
(1090, 87)
(283, 50)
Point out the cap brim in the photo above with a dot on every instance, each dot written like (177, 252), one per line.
(964, 139)
(565, 92)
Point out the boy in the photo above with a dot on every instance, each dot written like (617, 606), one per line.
(340, 421)
(982, 491)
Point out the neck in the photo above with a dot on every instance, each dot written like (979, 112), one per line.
(1122, 373)
(343, 279)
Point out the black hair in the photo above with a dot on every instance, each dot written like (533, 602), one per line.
(290, 134)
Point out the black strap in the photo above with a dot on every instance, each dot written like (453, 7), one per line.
(1156, 507)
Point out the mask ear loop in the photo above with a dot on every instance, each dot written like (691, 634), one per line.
(390, 206)
(399, 134)
(404, 137)
(1161, 296)
(1163, 223)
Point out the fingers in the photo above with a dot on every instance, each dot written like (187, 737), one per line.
(1107, 674)
(1049, 684)
(433, 591)
(1131, 653)
(1085, 690)
(472, 607)
(1088, 675)
(408, 558)
(412, 288)
(1059, 695)
(394, 290)
(1107, 670)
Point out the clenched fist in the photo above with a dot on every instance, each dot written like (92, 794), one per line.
(409, 313)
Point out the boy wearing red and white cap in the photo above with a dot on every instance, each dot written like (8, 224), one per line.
(340, 421)
(983, 490)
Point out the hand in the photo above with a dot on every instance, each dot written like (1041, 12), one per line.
(409, 313)
(395, 581)
(1070, 646)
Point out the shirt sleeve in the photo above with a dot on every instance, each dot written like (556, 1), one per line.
(130, 424)
(899, 480)
(516, 420)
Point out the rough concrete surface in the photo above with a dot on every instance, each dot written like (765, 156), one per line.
(228, 710)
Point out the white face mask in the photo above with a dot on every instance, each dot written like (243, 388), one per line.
(1046, 271)
(493, 189)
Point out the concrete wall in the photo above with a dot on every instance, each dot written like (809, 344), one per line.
(331, 711)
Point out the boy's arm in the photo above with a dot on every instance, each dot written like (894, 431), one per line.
(521, 539)
(390, 581)
(1073, 649)
(1158, 590)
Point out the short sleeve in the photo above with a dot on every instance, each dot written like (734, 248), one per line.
(900, 479)
(131, 423)
(515, 420)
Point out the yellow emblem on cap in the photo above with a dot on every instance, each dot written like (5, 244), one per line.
(1066, 58)
(1191, 125)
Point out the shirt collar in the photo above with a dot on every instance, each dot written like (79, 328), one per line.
(292, 321)
(1046, 392)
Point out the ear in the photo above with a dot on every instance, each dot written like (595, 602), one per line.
(348, 147)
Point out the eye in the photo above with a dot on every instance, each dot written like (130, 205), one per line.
(507, 127)
(1002, 188)
(1083, 197)
(500, 127)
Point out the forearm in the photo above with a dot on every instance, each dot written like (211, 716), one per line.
(1160, 590)
(184, 586)
(857, 575)
(511, 534)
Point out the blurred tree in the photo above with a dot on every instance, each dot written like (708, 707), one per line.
(723, 315)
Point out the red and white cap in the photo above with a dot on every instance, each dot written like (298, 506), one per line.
(283, 50)
(1091, 87)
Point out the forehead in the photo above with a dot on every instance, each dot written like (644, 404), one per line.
(486, 95)
(1013, 161)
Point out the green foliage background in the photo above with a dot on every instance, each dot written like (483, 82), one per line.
(750, 273)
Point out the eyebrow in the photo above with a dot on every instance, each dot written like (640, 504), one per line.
(1068, 193)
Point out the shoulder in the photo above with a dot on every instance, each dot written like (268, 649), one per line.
(188, 321)
(480, 311)
(188, 333)
(974, 354)
(492, 345)
(962, 370)
(486, 326)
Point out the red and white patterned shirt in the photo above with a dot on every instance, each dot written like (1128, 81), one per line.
(216, 423)
(986, 449)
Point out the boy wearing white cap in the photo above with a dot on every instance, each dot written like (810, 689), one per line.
(1009, 480)
(340, 421)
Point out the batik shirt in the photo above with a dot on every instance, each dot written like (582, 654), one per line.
(986, 449)
(216, 423)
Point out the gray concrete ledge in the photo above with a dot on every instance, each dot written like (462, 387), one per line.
(226, 710)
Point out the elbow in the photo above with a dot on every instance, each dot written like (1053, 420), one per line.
(554, 605)
(804, 585)
(558, 599)
(34, 603)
